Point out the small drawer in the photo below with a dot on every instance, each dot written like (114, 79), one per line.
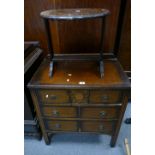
(104, 96)
(97, 126)
(61, 125)
(93, 112)
(68, 112)
(54, 96)
(79, 96)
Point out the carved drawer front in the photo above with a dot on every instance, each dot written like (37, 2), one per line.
(54, 96)
(79, 96)
(93, 112)
(57, 112)
(104, 96)
(61, 125)
(97, 126)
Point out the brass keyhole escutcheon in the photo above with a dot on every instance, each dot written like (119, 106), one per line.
(79, 96)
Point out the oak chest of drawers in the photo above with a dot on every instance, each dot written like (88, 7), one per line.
(76, 99)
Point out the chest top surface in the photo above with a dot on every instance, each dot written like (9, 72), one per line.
(80, 74)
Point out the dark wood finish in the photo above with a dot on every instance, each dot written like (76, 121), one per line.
(81, 72)
(115, 133)
(49, 37)
(41, 122)
(84, 56)
(80, 114)
(79, 96)
(74, 14)
(33, 55)
(66, 35)
(100, 113)
(102, 96)
(61, 125)
(28, 112)
(80, 119)
(53, 96)
(59, 112)
(123, 46)
(97, 126)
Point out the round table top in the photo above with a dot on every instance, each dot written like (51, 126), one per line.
(73, 14)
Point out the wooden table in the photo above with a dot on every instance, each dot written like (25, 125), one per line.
(74, 14)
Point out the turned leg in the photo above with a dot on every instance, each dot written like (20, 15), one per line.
(50, 47)
(101, 48)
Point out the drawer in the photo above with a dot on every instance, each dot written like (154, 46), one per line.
(59, 112)
(61, 125)
(54, 96)
(93, 112)
(97, 126)
(79, 96)
(104, 96)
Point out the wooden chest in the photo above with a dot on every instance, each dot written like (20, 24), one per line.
(76, 99)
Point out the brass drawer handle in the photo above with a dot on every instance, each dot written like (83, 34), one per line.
(105, 97)
(52, 97)
(102, 113)
(58, 126)
(55, 113)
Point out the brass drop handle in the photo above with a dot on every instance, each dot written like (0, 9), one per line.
(58, 126)
(56, 113)
(102, 113)
(105, 97)
(101, 127)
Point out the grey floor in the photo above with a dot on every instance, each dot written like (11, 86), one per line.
(81, 144)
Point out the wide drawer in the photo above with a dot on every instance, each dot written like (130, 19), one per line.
(79, 96)
(104, 96)
(93, 112)
(56, 112)
(53, 96)
(61, 125)
(97, 126)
